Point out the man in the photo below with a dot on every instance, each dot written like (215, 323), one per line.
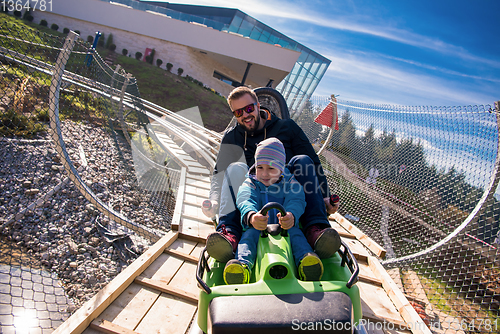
(236, 155)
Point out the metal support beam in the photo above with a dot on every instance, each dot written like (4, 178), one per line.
(246, 74)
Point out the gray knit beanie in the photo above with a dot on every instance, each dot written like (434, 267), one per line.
(271, 152)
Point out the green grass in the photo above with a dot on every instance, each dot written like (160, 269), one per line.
(177, 93)
(157, 85)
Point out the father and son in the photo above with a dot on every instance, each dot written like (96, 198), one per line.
(266, 159)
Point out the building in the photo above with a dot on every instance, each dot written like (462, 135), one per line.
(220, 47)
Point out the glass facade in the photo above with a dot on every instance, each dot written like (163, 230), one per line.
(298, 85)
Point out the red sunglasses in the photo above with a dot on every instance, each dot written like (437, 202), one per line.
(248, 109)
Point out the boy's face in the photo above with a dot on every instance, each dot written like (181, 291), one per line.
(267, 174)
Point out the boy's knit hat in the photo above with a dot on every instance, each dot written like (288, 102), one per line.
(271, 152)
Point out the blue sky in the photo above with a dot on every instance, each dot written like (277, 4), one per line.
(409, 52)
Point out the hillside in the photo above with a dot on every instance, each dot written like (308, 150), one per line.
(175, 92)
(156, 84)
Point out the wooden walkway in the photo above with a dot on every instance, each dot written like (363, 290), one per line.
(158, 293)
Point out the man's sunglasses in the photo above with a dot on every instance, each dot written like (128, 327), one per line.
(248, 109)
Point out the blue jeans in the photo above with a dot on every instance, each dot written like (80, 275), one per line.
(301, 166)
(229, 215)
(247, 248)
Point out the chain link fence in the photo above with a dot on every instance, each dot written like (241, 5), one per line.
(85, 186)
(422, 182)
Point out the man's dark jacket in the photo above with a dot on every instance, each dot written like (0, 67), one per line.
(238, 142)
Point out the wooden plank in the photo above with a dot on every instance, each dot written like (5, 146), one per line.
(130, 307)
(203, 171)
(201, 178)
(164, 287)
(194, 212)
(366, 275)
(184, 279)
(377, 306)
(346, 235)
(369, 280)
(198, 183)
(405, 309)
(82, 318)
(197, 250)
(363, 238)
(193, 200)
(357, 249)
(107, 327)
(192, 238)
(169, 315)
(183, 256)
(176, 219)
(195, 228)
(166, 266)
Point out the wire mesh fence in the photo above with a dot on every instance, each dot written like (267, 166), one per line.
(85, 187)
(422, 182)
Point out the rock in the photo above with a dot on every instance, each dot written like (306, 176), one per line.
(73, 247)
(73, 264)
(27, 184)
(91, 209)
(31, 192)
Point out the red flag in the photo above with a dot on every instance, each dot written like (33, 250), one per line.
(328, 114)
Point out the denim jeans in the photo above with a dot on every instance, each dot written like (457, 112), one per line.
(302, 167)
(247, 248)
(229, 215)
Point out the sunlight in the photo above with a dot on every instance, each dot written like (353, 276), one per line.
(25, 320)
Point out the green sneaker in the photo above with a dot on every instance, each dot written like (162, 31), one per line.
(310, 268)
(236, 273)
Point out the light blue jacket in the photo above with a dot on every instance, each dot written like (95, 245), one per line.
(253, 195)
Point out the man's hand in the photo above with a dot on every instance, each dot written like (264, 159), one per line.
(330, 209)
(287, 221)
(209, 208)
(258, 221)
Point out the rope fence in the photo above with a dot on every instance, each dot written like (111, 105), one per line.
(85, 187)
(423, 183)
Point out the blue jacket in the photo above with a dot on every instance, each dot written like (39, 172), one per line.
(253, 195)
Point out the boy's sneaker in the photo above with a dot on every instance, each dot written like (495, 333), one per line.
(222, 245)
(325, 242)
(236, 273)
(310, 268)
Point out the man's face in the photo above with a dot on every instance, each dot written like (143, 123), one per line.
(250, 121)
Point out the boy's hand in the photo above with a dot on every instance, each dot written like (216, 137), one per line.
(258, 221)
(287, 221)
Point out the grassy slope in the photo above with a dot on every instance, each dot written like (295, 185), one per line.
(176, 93)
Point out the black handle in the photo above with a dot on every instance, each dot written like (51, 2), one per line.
(200, 269)
(265, 209)
(349, 259)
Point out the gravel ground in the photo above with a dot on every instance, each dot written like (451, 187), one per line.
(62, 235)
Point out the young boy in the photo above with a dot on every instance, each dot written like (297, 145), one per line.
(269, 181)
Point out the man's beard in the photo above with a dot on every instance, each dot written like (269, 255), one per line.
(256, 124)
